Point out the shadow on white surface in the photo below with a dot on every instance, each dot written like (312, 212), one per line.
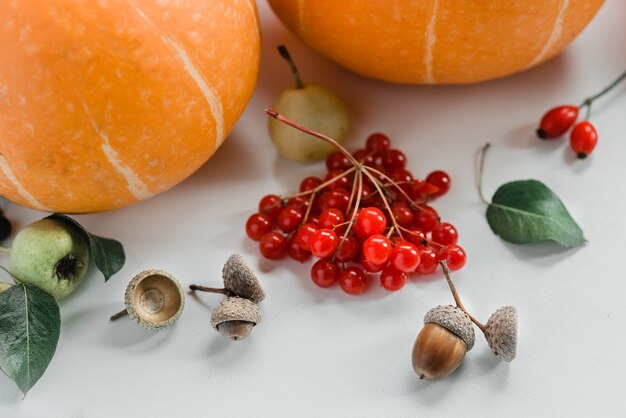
(541, 253)
(10, 394)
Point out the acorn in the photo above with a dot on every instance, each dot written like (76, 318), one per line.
(240, 279)
(441, 345)
(501, 333)
(235, 317)
(154, 299)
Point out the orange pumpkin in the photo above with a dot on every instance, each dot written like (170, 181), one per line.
(105, 103)
(436, 41)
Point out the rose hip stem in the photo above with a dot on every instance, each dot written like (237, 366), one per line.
(589, 100)
(481, 169)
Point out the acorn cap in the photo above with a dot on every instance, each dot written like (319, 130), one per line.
(235, 309)
(454, 320)
(154, 299)
(502, 333)
(240, 279)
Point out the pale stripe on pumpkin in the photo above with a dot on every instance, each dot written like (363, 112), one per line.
(555, 35)
(252, 7)
(210, 95)
(24, 194)
(134, 184)
(431, 37)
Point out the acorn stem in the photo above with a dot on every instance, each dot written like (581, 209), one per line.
(120, 314)
(481, 169)
(211, 290)
(457, 299)
(282, 50)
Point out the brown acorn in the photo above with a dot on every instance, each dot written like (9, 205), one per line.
(441, 345)
(240, 279)
(235, 317)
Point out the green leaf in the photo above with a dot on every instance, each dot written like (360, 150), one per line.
(108, 254)
(527, 211)
(29, 332)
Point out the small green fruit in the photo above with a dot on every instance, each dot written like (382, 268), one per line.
(52, 255)
(313, 106)
(4, 286)
(318, 109)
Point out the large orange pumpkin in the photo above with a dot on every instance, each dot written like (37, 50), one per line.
(436, 41)
(107, 102)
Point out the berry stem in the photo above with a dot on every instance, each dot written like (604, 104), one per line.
(118, 315)
(323, 137)
(397, 186)
(226, 292)
(481, 169)
(359, 186)
(282, 50)
(374, 180)
(457, 299)
(589, 100)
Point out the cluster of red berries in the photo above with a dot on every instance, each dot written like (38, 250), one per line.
(367, 215)
(559, 120)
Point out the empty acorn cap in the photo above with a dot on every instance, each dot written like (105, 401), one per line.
(454, 320)
(154, 299)
(240, 279)
(502, 333)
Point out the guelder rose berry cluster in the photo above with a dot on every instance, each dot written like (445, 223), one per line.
(368, 215)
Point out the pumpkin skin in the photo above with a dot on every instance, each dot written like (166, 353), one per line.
(106, 103)
(436, 41)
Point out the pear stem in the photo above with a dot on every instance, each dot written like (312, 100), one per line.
(226, 292)
(120, 314)
(282, 50)
(457, 299)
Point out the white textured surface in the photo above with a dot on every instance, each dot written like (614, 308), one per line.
(321, 353)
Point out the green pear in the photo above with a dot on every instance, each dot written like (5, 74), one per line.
(52, 255)
(312, 106)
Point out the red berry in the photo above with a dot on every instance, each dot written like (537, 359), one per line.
(273, 246)
(289, 218)
(304, 235)
(338, 198)
(331, 218)
(441, 180)
(348, 250)
(428, 261)
(340, 180)
(364, 156)
(392, 279)
(445, 234)
(405, 257)
(394, 160)
(371, 267)
(325, 273)
(300, 202)
(402, 176)
(296, 252)
(377, 249)
(353, 281)
(402, 213)
(369, 221)
(557, 121)
(270, 205)
(416, 236)
(426, 218)
(337, 161)
(258, 225)
(377, 142)
(583, 139)
(309, 183)
(454, 255)
(323, 242)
